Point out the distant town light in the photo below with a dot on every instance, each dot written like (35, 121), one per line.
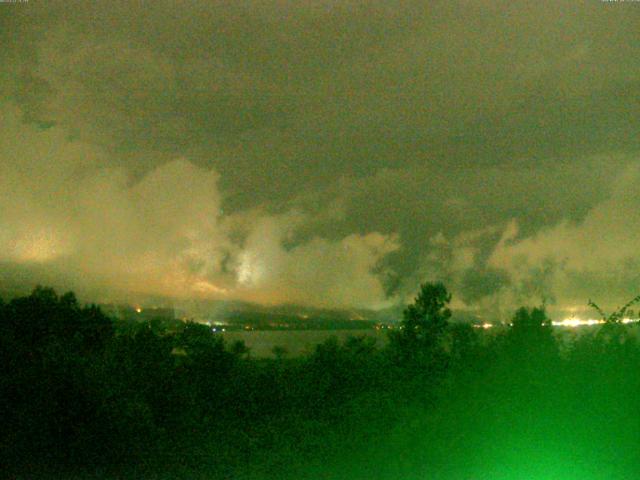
(577, 322)
(484, 326)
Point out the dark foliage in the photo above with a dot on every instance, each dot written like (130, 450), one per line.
(420, 342)
(83, 396)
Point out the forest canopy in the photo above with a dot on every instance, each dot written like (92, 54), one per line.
(84, 397)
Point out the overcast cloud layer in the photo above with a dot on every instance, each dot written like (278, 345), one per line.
(328, 153)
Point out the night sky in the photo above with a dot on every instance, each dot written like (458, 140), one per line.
(331, 153)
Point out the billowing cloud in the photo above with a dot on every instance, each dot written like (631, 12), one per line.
(338, 273)
(63, 203)
(596, 257)
(564, 264)
(219, 147)
(164, 233)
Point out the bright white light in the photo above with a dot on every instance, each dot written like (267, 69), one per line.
(577, 322)
(250, 269)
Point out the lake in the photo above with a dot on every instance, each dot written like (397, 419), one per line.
(297, 342)
(300, 342)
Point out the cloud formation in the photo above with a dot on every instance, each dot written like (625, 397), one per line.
(243, 148)
(598, 256)
(165, 232)
(562, 264)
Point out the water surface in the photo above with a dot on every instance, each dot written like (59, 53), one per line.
(296, 342)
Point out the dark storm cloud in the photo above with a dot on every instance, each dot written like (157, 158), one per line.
(313, 128)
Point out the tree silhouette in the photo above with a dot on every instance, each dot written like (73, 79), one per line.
(613, 331)
(424, 324)
(530, 319)
(530, 340)
(279, 352)
(618, 315)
